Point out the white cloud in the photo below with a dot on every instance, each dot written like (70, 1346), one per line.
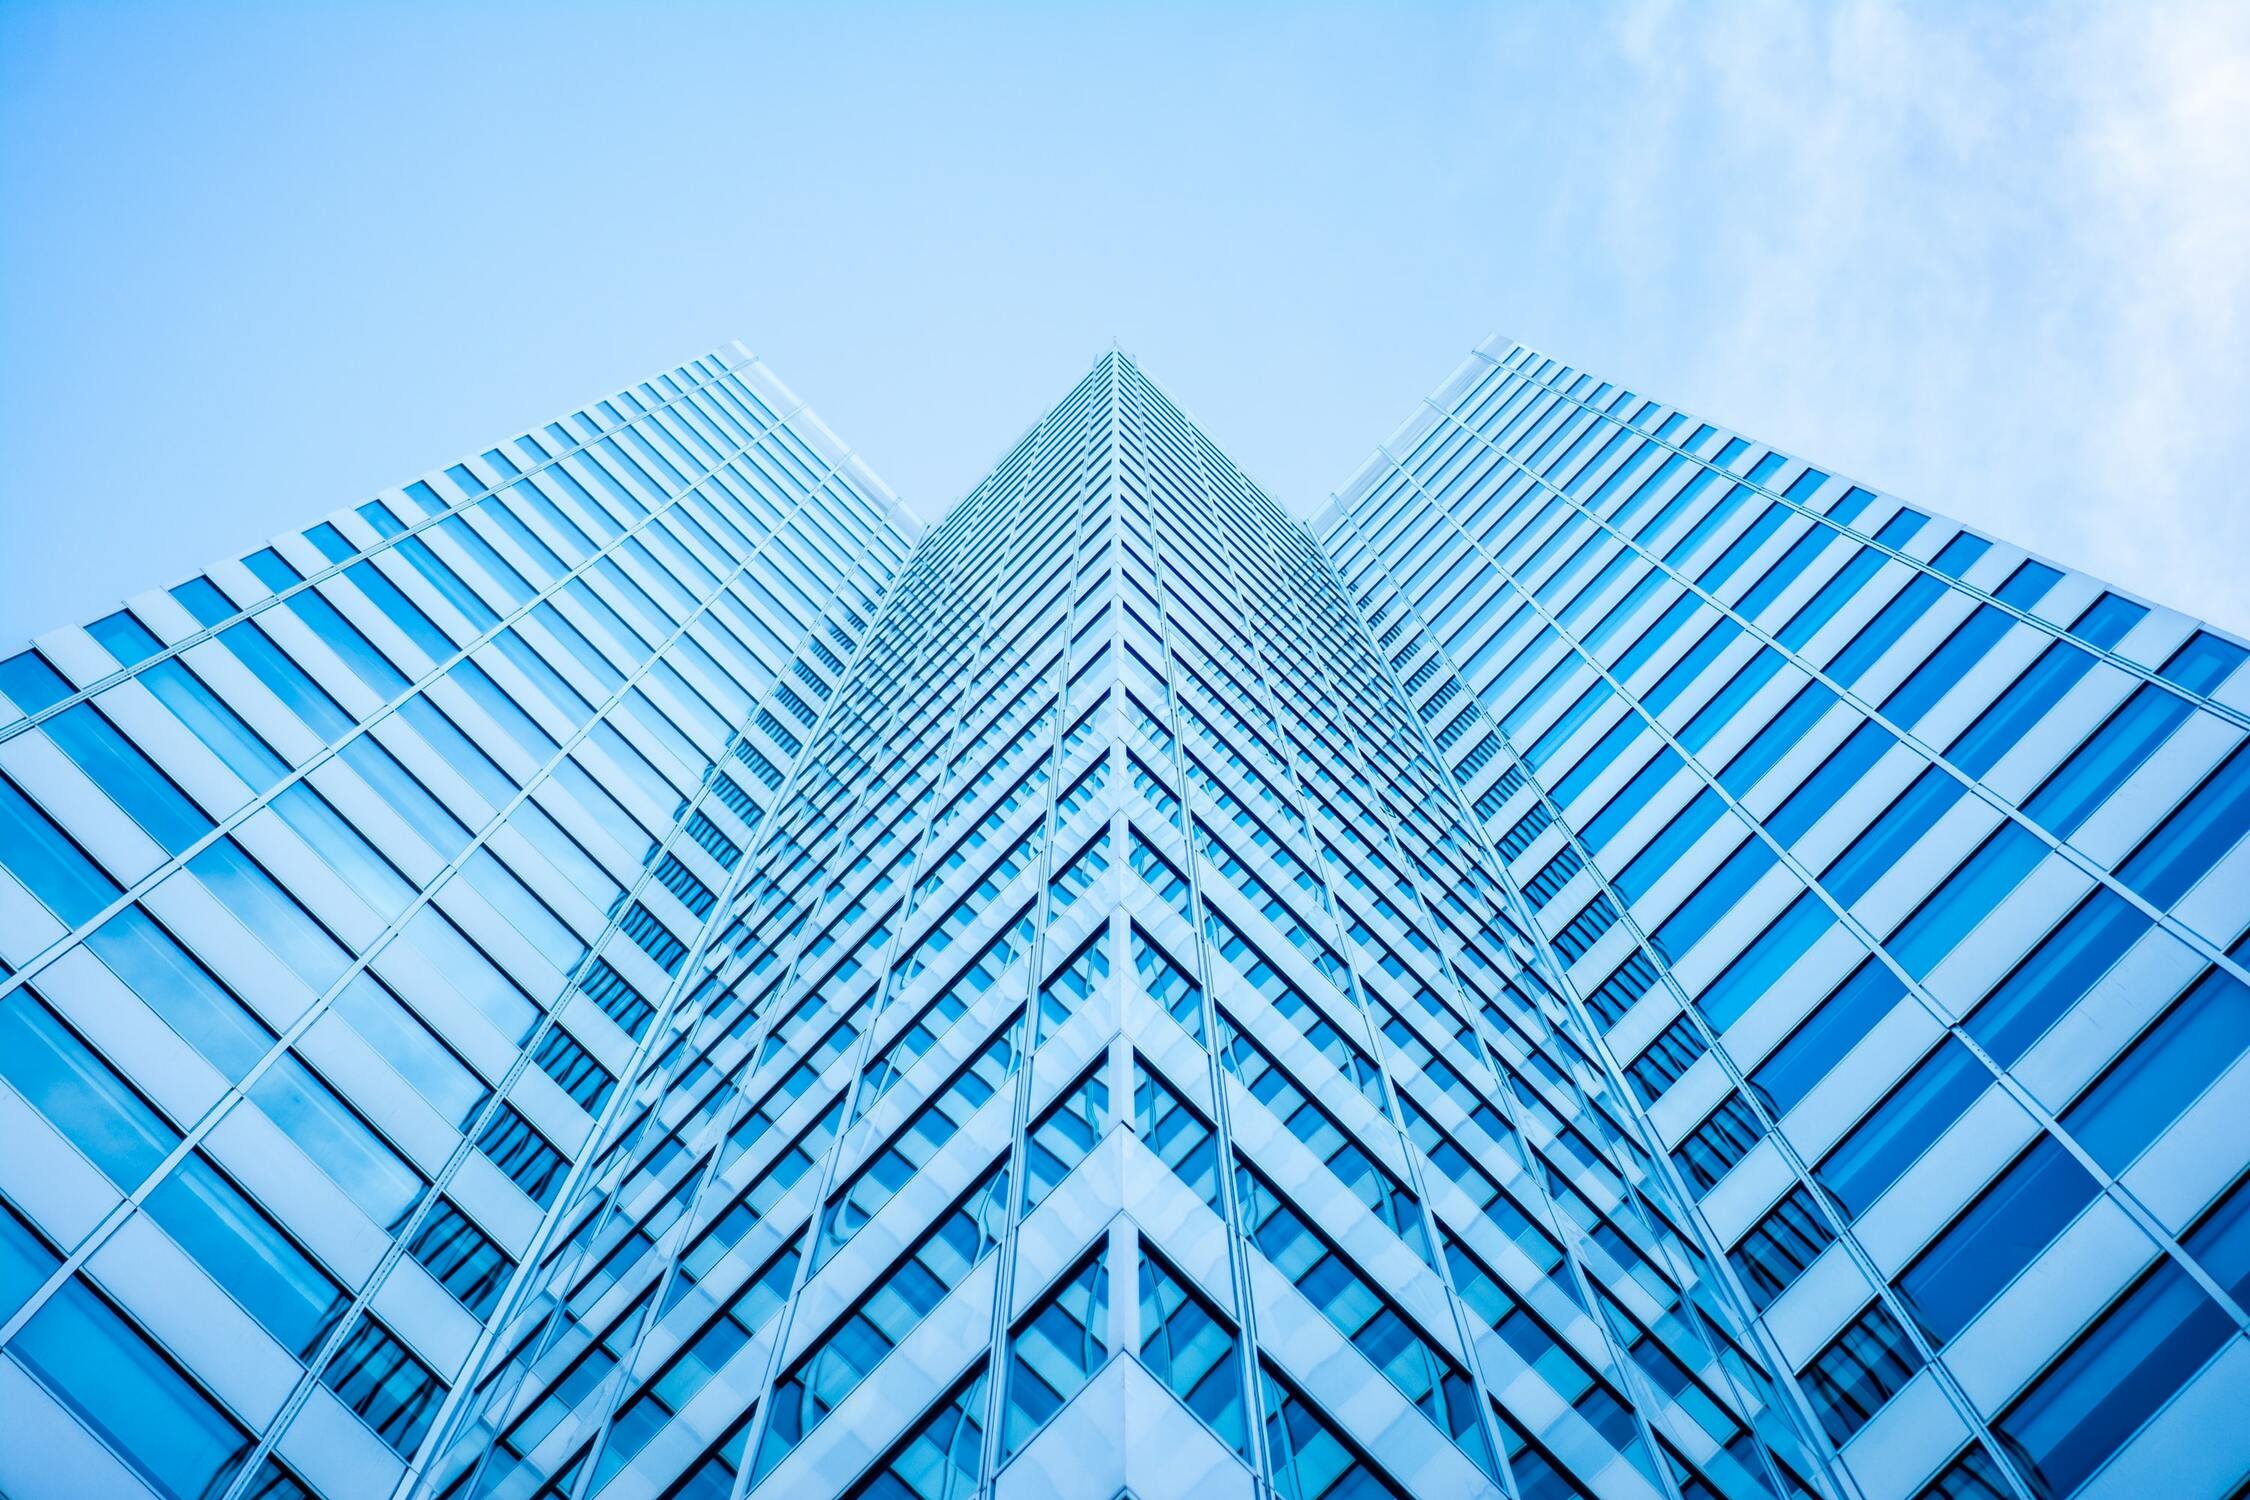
(1996, 260)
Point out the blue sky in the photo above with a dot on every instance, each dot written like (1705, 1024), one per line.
(257, 262)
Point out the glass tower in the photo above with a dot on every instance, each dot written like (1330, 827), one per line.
(1611, 964)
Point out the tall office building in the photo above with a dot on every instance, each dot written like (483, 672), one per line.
(1612, 964)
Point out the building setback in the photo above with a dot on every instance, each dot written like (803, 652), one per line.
(1611, 963)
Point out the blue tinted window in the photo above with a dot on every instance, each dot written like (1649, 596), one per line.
(25, 1262)
(1754, 536)
(286, 680)
(125, 638)
(272, 569)
(1822, 606)
(1996, 731)
(219, 728)
(1790, 936)
(1530, 703)
(575, 541)
(26, 678)
(1787, 569)
(1901, 527)
(1688, 494)
(1802, 487)
(1779, 1247)
(1878, 635)
(1959, 555)
(524, 911)
(1599, 759)
(1820, 1041)
(381, 517)
(2096, 1396)
(1728, 700)
(480, 615)
(344, 850)
(1968, 895)
(2163, 1072)
(1690, 666)
(2203, 663)
(117, 766)
(504, 710)
(247, 1253)
(2110, 754)
(462, 1257)
(119, 1385)
(2106, 620)
(1864, 1366)
(1632, 797)
(1882, 1146)
(1714, 1146)
(1656, 860)
(406, 796)
(413, 1051)
(1885, 843)
(550, 682)
(475, 977)
(380, 1379)
(2221, 1243)
(243, 887)
(330, 542)
(48, 861)
(1980, 1252)
(1712, 900)
(467, 760)
(1827, 786)
(190, 998)
(1849, 505)
(2194, 837)
(2057, 973)
(2027, 585)
(1778, 738)
(338, 1141)
(403, 612)
(1569, 614)
(1912, 699)
(1653, 639)
(201, 598)
(93, 1108)
(544, 559)
(1619, 612)
(1717, 516)
(1563, 728)
(369, 665)
(1641, 496)
(487, 557)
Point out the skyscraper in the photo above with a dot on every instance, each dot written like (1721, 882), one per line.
(1611, 963)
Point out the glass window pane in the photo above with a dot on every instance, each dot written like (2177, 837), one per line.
(247, 1253)
(333, 1135)
(174, 984)
(2008, 1226)
(2094, 1398)
(219, 728)
(48, 861)
(79, 1094)
(2163, 1072)
(244, 888)
(101, 1367)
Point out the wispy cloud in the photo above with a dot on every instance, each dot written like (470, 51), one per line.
(1996, 259)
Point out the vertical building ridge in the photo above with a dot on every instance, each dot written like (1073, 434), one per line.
(1610, 963)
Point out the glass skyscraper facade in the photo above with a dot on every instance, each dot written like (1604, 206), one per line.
(1610, 963)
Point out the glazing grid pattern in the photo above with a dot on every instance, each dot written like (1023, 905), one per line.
(1934, 984)
(1125, 993)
